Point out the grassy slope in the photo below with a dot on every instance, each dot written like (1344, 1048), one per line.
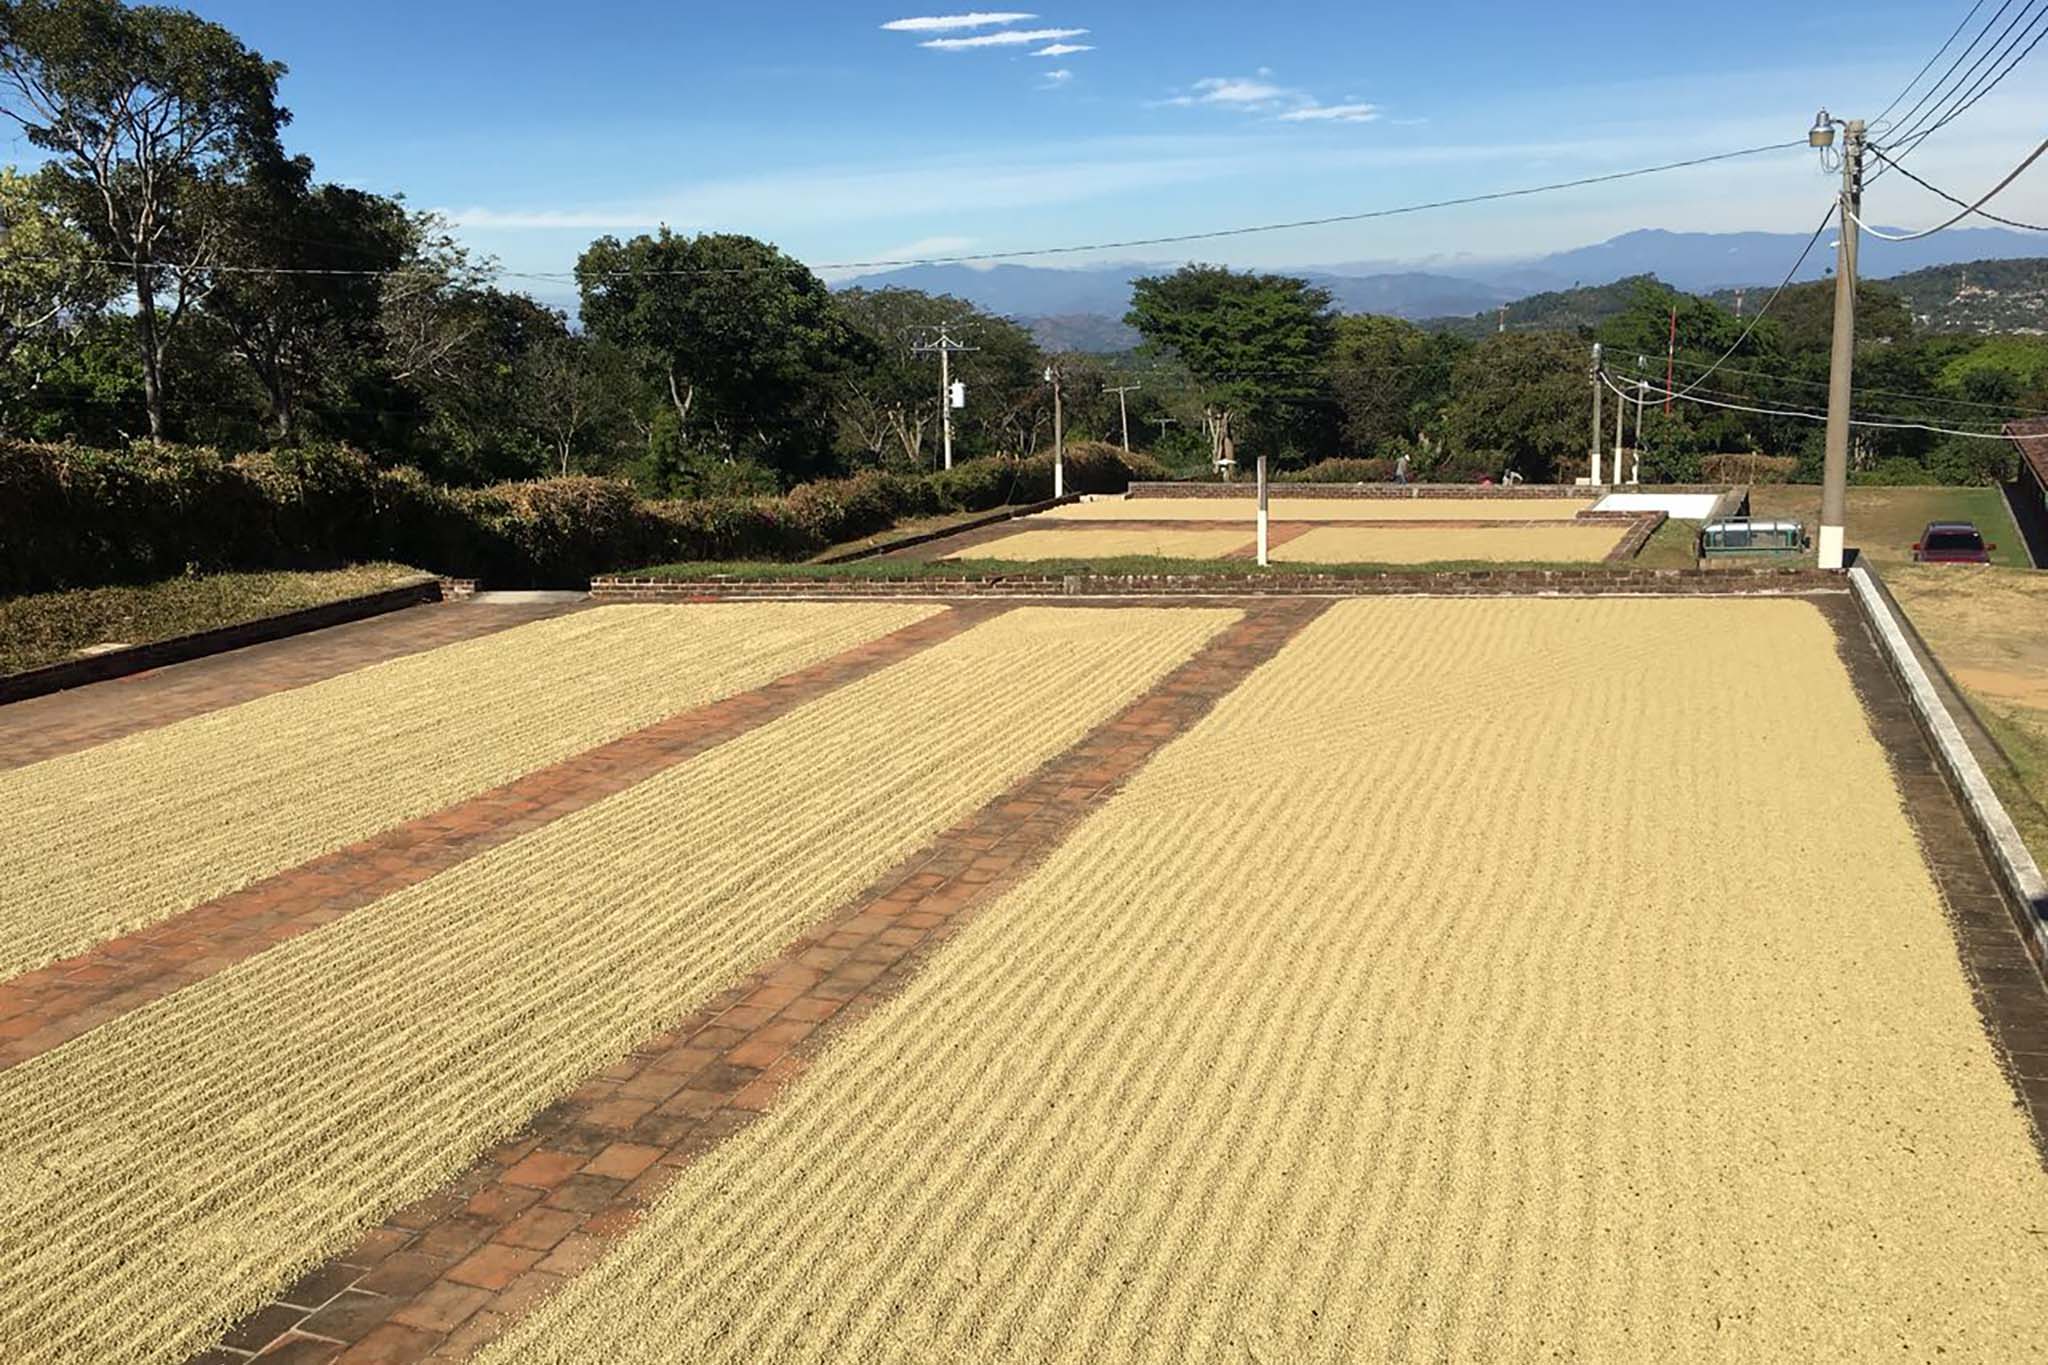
(45, 627)
(1884, 522)
(1984, 625)
(905, 529)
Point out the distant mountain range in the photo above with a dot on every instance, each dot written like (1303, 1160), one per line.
(1082, 309)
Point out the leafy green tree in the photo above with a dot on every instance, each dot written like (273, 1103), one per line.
(575, 391)
(140, 108)
(1258, 346)
(305, 328)
(50, 284)
(1524, 396)
(742, 338)
(1391, 379)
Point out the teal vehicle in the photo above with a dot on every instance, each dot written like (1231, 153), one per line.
(1746, 536)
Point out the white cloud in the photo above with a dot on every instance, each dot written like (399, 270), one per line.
(947, 23)
(1055, 79)
(1237, 90)
(1063, 49)
(1012, 37)
(1332, 113)
(925, 248)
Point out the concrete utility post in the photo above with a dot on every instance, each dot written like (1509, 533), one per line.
(1262, 512)
(1834, 490)
(946, 348)
(1059, 434)
(1593, 449)
(1124, 411)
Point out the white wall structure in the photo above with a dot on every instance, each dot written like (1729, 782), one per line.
(1679, 506)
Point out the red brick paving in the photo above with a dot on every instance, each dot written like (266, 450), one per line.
(442, 1277)
(48, 1007)
(65, 722)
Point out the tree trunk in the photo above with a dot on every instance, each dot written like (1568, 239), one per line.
(152, 354)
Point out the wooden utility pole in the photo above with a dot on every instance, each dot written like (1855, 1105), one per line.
(1834, 488)
(1124, 411)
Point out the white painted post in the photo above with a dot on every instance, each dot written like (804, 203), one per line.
(1262, 511)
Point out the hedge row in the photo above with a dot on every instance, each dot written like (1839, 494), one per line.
(72, 517)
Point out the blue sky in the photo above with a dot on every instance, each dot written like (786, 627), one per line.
(538, 125)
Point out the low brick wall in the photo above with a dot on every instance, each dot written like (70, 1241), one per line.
(1591, 581)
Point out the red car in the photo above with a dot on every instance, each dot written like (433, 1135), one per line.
(1951, 542)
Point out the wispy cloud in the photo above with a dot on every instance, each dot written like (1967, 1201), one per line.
(1332, 113)
(1241, 91)
(1009, 37)
(1261, 94)
(949, 23)
(1055, 79)
(1063, 49)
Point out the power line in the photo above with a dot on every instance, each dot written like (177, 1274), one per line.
(1936, 189)
(1461, 201)
(1864, 388)
(1802, 414)
(1941, 91)
(1908, 140)
(1989, 195)
(1930, 62)
(1783, 284)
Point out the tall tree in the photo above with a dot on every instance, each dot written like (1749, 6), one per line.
(140, 108)
(304, 328)
(1522, 398)
(50, 285)
(742, 338)
(1391, 379)
(573, 390)
(1257, 344)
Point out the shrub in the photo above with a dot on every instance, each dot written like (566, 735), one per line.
(1748, 467)
(74, 517)
(1342, 471)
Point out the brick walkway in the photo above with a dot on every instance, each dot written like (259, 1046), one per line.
(65, 722)
(442, 1277)
(46, 1008)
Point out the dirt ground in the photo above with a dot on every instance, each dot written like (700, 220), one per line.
(1421, 1002)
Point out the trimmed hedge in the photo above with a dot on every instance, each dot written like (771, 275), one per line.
(1342, 471)
(73, 517)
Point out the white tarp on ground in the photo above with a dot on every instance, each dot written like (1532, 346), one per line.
(1679, 506)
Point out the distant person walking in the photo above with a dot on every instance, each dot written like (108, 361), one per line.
(1401, 468)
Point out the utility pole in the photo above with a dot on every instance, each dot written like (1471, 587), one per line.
(1834, 489)
(1264, 539)
(1642, 396)
(1163, 423)
(1059, 434)
(1620, 412)
(946, 348)
(1124, 411)
(1670, 365)
(1598, 382)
